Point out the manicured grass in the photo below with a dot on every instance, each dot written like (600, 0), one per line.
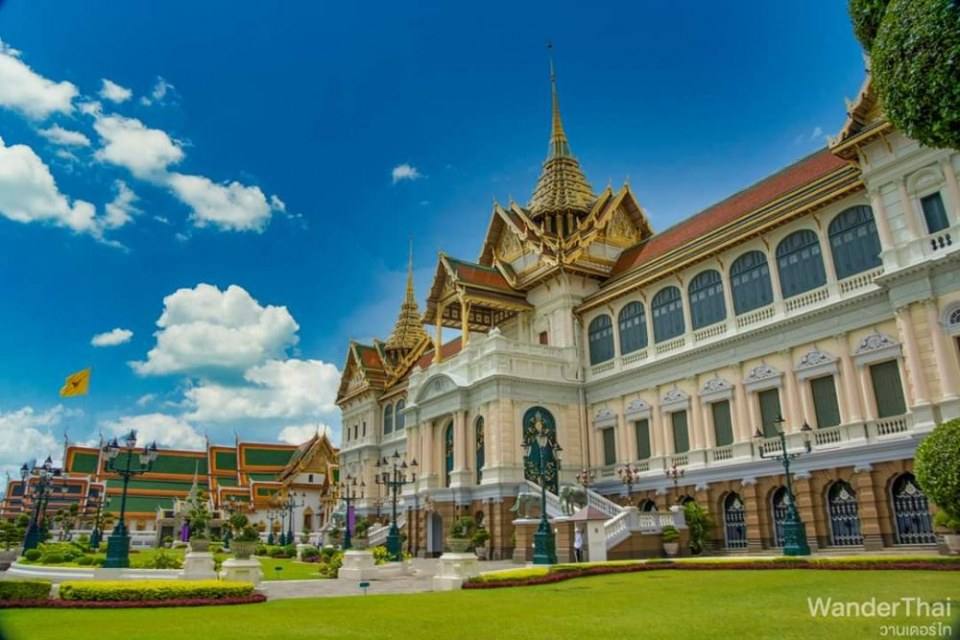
(289, 569)
(662, 604)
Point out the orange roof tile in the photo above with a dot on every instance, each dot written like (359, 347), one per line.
(448, 350)
(480, 275)
(779, 184)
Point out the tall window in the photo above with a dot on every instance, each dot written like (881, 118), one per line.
(480, 448)
(388, 419)
(750, 282)
(887, 389)
(448, 453)
(854, 241)
(706, 299)
(400, 420)
(800, 263)
(609, 446)
(769, 411)
(722, 424)
(824, 392)
(633, 328)
(681, 439)
(934, 213)
(600, 335)
(667, 309)
(642, 428)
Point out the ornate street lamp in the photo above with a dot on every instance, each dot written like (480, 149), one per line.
(392, 474)
(272, 518)
(96, 536)
(674, 474)
(628, 476)
(125, 460)
(350, 492)
(290, 504)
(42, 489)
(544, 542)
(794, 533)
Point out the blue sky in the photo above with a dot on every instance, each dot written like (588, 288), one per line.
(250, 145)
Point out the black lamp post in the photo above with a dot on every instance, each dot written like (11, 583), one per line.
(126, 461)
(96, 536)
(794, 533)
(392, 474)
(350, 492)
(544, 542)
(272, 518)
(41, 492)
(628, 476)
(674, 474)
(290, 504)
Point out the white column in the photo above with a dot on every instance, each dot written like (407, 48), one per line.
(942, 351)
(709, 430)
(880, 217)
(792, 398)
(826, 253)
(728, 297)
(743, 431)
(696, 423)
(910, 214)
(775, 279)
(656, 437)
(687, 319)
(918, 380)
(866, 390)
(648, 320)
(848, 377)
(950, 175)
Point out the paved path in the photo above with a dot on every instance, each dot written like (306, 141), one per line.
(421, 581)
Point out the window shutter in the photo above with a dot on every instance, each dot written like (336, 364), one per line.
(769, 411)
(887, 389)
(643, 439)
(609, 447)
(722, 424)
(825, 402)
(681, 440)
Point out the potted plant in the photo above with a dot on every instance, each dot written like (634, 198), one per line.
(460, 539)
(699, 525)
(480, 538)
(937, 469)
(245, 542)
(671, 540)
(359, 539)
(199, 518)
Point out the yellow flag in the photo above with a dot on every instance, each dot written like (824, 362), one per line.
(77, 384)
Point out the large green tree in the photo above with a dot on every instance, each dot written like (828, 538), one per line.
(866, 16)
(915, 60)
(937, 466)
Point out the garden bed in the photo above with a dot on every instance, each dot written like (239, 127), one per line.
(252, 598)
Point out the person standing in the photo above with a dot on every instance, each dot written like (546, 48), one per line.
(578, 544)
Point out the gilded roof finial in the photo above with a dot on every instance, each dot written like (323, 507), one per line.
(559, 146)
(408, 331)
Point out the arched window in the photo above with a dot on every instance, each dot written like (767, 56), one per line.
(388, 419)
(480, 452)
(633, 328)
(647, 506)
(400, 421)
(600, 334)
(447, 453)
(854, 241)
(706, 299)
(844, 515)
(750, 282)
(734, 522)
(800, 263)
(911, 512)
(667, 310)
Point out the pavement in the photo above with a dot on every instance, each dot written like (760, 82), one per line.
(421, 581)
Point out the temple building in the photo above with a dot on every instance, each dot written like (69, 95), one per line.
(249, 476)
(822, 301)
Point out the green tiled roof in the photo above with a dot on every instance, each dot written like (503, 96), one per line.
(169, 463)
(83, 463)
(264, 477)
(265, 491)
(267, 457)
(140, 503)
(226, 460)
(168, 485)
(227, 482)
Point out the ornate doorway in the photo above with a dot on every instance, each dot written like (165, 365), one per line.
(734, 522)
(844, 515)
(911, 512)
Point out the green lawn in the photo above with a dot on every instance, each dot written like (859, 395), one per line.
(289, 569)
(663, 604)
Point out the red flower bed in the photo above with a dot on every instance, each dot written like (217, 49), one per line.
(130, 604)
(568, 574)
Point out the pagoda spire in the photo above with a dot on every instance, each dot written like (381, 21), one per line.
(408, 332)
(559, 145)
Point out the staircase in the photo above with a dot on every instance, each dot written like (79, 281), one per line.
(378, 535)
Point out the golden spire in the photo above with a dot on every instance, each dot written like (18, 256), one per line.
(562, 187)
(408, 332)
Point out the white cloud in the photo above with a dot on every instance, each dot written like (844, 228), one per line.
(121, 209)
(111, 338)
(278, 389)
(298, 434)
(26, 434)
(205, 328)
(28, 193)
(24, 90)
(114, 92)
(165, 430)
(159, 92)
(231, 206)
(405, 172)
(58, 135)
(127, 142)
(817, 133)
(146, 399)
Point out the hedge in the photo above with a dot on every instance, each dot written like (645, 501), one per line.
(24, 589)
(153, 590)
(253, 598)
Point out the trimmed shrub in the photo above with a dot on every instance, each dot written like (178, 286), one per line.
(289, 551)
(380, 554)
(24, 590)
(310, 554)
(866, 16)
(162, 559)
(331, 566)
(139, 590)
(937, 467)
(52, 558)
(915, 61)
(32, 555)
(85, 561)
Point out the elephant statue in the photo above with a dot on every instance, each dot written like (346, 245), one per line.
(572, 498)
(525, 500)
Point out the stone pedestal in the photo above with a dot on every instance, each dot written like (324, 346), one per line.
(198, 565)
(455, 568)
(357, 565)
(242, 570)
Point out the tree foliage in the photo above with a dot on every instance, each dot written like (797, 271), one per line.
(866, 16)
(916, 69)
(937, 467)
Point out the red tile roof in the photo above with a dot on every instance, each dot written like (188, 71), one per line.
(479, 275)
(448, 350)
(369, 356)
(767, 190)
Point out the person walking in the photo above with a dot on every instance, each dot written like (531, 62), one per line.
(578, 544)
